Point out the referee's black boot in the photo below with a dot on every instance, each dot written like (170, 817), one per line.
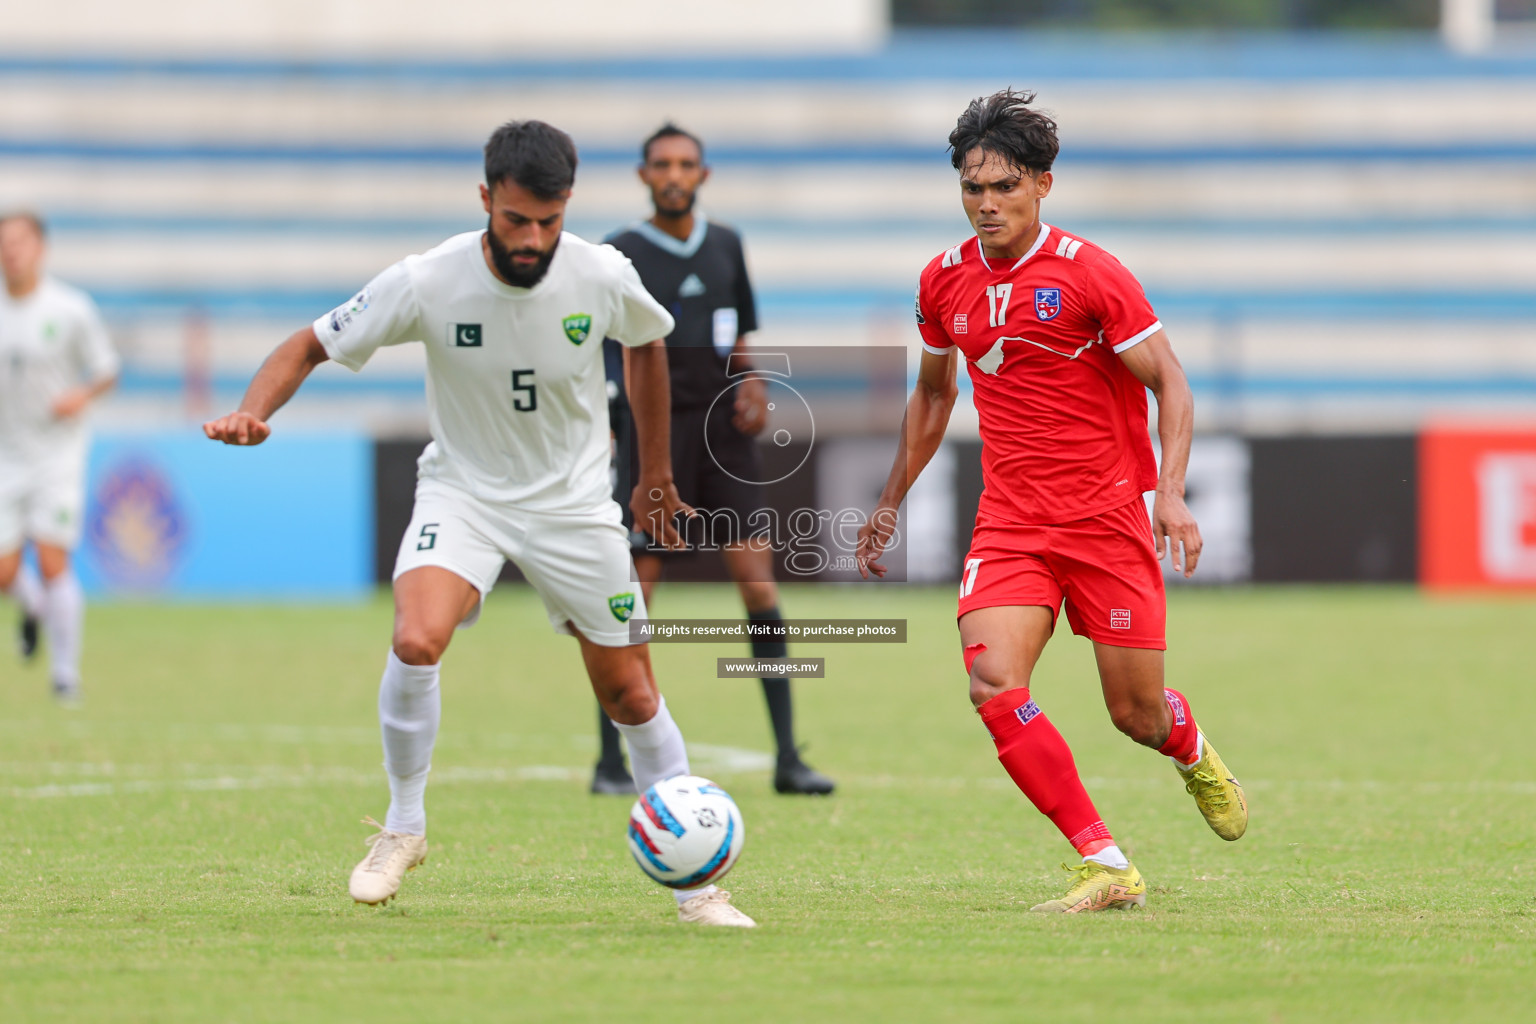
(611, 778)
(795, 776)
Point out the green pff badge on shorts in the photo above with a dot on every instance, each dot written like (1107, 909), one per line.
(622, 606)
(577, 327)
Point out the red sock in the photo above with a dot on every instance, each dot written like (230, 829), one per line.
(1040, 763)
(1184, 737)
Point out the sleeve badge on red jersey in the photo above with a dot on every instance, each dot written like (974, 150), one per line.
(1047, 303)
(917, 306)
(961, 324)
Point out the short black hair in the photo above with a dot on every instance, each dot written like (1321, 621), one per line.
(1005, 123)
(37, 222)
(539, 157)
(669, 131)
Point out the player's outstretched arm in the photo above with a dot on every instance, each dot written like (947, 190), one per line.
(922, 430)
(654, 502)
(1174, 529)
(74, 401)
(275, 383)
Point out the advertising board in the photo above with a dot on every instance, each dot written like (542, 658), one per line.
(171, 514)
(1477, 501)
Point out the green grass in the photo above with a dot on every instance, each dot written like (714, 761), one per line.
(177, 850)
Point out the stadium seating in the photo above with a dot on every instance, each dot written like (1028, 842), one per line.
(1338, 234)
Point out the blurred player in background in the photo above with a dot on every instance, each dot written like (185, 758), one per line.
(697, 270)
(513, 319)
(55, 360)
(1061, 345)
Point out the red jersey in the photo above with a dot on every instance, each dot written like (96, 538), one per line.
(1063, 421)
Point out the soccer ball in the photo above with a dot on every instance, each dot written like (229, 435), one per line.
(685, 832)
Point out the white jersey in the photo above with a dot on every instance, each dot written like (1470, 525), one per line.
(50, 341)
(516, 399)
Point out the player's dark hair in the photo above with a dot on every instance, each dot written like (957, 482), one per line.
(37, 222)
(539, 157)
(1005, 123)
(669, 131)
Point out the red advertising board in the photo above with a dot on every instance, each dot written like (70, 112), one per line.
(1477, 507)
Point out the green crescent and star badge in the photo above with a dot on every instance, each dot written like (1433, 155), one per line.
(622, 605)
(577, 327)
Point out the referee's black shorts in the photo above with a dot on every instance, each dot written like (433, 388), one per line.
(716, 469)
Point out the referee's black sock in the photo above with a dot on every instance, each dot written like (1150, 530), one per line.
(775, 689)
(612, 755)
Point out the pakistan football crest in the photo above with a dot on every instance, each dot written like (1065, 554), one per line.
(577, 326)
(622, 605)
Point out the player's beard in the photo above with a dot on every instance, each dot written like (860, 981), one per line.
(681, 202)
(519, 277)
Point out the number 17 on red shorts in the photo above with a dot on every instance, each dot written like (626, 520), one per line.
(1103, 569)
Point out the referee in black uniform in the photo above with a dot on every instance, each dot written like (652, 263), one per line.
(696, 269)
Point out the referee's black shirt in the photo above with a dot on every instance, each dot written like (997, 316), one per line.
(703, 283)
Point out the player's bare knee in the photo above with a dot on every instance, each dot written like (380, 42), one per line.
(52, 562)
(991, 674)
(634, 704)
(415, 645)
(981, 692)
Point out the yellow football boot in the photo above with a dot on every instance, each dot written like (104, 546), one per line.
(1098, 888)
(1218, 795)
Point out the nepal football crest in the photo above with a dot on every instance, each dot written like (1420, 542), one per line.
(622, 606)
(1047, 303)
(577, 327)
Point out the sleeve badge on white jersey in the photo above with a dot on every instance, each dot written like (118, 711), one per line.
(344, 314)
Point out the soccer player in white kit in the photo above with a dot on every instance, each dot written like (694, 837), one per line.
(513, 319)
(55, 360)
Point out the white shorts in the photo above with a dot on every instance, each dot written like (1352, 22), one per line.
(41, 504)
(579, 564)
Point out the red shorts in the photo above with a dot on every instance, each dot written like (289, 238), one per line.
(1105, 568)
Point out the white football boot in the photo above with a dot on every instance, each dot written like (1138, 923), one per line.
(378, 876)
(713, 907)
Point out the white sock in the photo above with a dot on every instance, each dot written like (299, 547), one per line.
(27, 591)
(656, 752)
(410, 707)
(1110, 857)
(64, 622)
(684, 895)
(656, 748)
(1199, 753)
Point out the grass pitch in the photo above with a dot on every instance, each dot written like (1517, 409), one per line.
(177, 850)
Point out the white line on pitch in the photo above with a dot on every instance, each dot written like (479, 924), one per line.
(108, 778)
(272, 780)
(716, 756)
(132, 778)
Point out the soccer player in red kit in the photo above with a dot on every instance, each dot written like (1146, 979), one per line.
(1061, 345)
